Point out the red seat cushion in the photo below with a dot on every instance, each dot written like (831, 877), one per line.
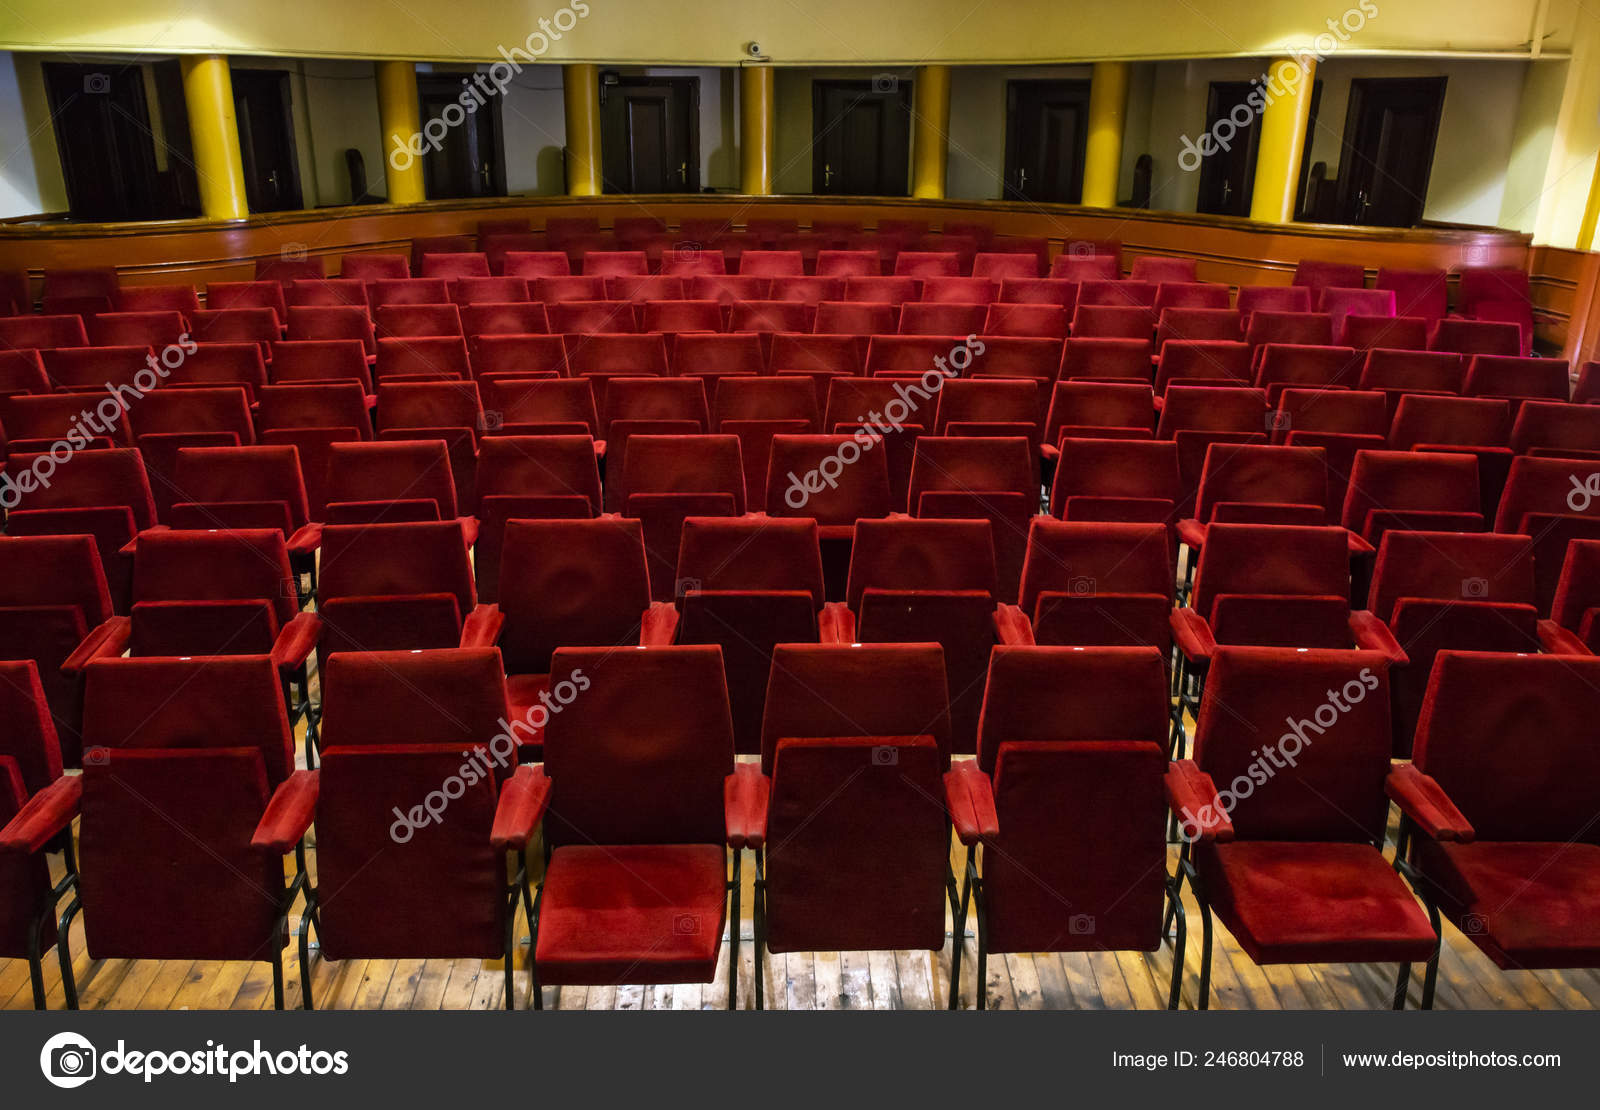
(1291, 902)
(636, 913)
(522, 694)
(1527, 905)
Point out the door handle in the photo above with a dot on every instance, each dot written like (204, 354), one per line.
(827, 175)
(1227, 191)
(1362, 204)
(1022, 180)
(683, 173)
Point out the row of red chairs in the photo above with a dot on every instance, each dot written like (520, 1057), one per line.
(1097, 716)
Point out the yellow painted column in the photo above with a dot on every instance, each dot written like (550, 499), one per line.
(1108, 110)
(930, 131)
(400, 118)
(581, 95)
(757, 128)
(214, 134)
(1283, 138)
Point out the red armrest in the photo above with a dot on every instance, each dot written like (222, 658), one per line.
(295, 641)
(289, 814)
(482, 626)
(1011, 625)
(1421, 798)
(1556, 640)
(132, 545)
(969, 800)
(44, 816)
(306, 540)
(1192, 797)
(1371, 634)
(523, 800)
(836, 624)
(1193, 636)
(659, 625)
(744, 801)
(1192, 533)
(469, 529)
(106, 642)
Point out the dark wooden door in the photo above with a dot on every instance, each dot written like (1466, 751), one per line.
(266, 140)
(1228, 171)
(861, 137)
(1047, 135)
(469, 160)
(650, 134)
(1389, 135)
(102, 127)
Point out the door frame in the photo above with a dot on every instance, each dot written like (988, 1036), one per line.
(286, 95)
(1359, 87)
(691, 82)
(440, 81)
(128, 193)
(1014, 140)
(899, 86)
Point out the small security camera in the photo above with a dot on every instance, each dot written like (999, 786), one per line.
(752, 49)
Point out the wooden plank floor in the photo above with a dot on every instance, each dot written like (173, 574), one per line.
(815, 980)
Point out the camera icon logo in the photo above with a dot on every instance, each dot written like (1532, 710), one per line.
(1081, 587)
(686, 252)
(1279, 421)
(1080, 250)
(97, 84)
(493, 420)
(1080, 924)
(683, 586)
(1474, 587)
(885, 83)
(686, 924)
(292, 252)
(67, 1060)
(885, 755)
(1473, 923)
(96, 757)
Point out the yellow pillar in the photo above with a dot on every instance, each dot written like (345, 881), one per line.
(1283, 138)
(581, 94)
(214, 134)
(930, 131)
(1108, 110)
(400, 118)
(757, 124)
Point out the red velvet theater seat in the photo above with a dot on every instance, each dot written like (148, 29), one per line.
(157, 298)
(1093, 584)
(853, 746)
(1556, 429)
(1414, 490)
(335, 292)
(1517, 379)
(807, 477)
(1272, 298)
(22, 372)
(928, 581)
(93, 369)
(1253, 483)
(1064, 808)
(42, 332)
(981, 477)
(1216, 362)
(139, 329)
(190, 803)
(1116, 480)
(572, 583)
(1319, 276)
(1196, 417)
(413, 320)
(333, 322)
(285, 271)
(1398, 333)
(105, 494)
(1097, 410)
(320, 360)
(1192, 295)
(1281, 366)
(562, 406)
(399, 724)
(1476, 337)
(394, 587)
(56, 611)
(530, 478)
(1573, 627)
(447, 410)
(1155, 268)
(1499, 806)
(213, 364)
(31, 787)
(397, 481)
(757, 409)
(373, 267)
(747, 584)
(1291, 865)
(170, 420)
(1455, 590)
(1548, 500)
(1416, 292)
(637, 885)
(668, 478)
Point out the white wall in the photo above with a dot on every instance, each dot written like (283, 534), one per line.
(30, 169)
